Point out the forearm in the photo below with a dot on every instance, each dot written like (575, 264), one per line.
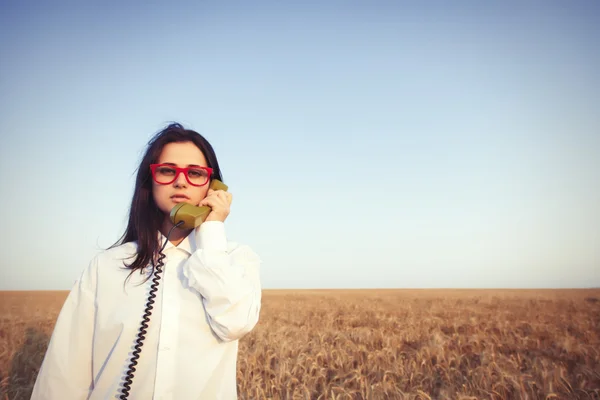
(228, 280)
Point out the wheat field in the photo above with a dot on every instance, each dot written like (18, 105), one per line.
(377, 344)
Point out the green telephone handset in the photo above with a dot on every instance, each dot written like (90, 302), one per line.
(193, 216)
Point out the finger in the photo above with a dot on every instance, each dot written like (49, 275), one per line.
(208, 201)
(213, 201)
(225, 196)
(213, 194)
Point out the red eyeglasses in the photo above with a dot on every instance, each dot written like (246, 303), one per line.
(165, 174)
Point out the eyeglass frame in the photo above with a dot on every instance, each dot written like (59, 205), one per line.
(179, 170)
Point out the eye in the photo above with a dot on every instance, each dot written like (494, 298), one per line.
(197, 173)
(166, 171)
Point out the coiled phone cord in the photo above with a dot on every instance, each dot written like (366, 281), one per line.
(145, 319)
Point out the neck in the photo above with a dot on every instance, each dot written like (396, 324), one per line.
(177, 235)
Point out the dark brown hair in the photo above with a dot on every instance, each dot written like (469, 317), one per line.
(145, 218)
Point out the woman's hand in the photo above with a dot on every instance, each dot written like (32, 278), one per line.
(219, 201)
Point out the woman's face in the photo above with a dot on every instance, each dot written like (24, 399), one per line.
(181, 155)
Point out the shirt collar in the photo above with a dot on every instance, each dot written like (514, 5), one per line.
(188, 244)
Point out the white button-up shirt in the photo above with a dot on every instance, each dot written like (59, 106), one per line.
(209, 296)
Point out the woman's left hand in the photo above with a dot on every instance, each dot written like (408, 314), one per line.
(219, 201)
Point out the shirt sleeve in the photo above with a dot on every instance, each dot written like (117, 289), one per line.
(228, 278)
(66, 371)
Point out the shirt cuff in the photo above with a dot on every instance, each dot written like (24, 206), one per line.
(211, 236)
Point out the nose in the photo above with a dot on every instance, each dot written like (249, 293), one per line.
(180, 180)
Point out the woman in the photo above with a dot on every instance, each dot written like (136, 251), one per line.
(209, 293)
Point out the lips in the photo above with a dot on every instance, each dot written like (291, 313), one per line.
(179, 197)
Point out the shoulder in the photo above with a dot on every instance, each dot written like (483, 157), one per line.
(107, 264)
(125, 251)
(109, 258)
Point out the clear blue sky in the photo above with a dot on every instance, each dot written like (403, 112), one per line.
(367, 144)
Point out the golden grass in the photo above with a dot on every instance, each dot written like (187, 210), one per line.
(377, 344)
